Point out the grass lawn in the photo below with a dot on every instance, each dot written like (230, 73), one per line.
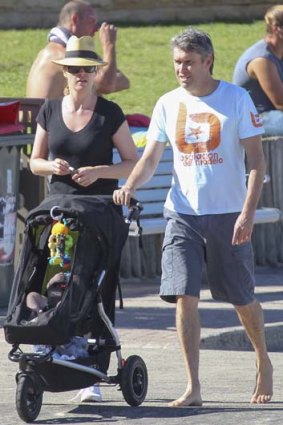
(144, 55)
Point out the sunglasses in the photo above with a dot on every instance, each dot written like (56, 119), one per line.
(77, 69)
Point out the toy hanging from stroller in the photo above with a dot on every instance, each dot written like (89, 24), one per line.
(85, 239)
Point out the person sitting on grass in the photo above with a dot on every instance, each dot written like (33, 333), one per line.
(79, 18)
(260, 71)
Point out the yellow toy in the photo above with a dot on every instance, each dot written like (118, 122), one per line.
(60, 242)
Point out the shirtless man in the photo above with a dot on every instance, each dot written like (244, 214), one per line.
(78, 17)
(211, 125)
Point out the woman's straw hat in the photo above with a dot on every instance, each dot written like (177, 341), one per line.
(80, 52)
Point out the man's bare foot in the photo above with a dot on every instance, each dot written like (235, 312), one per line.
(189, 398)
(263, 389)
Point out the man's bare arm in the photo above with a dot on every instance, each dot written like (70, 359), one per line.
(109, 79)
(256, 165)
(142, 172)
(269, 79)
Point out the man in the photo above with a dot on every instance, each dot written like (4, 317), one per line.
(210, 125)
(260, 70)
(78, 18)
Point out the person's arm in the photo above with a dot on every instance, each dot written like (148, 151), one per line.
(265, 72)
(39, 163)
(122, 81)
(124, 143)
(108, 78)
(142, 172)
(256, 165)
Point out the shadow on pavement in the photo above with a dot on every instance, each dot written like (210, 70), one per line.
(108, 413)
(160, 319)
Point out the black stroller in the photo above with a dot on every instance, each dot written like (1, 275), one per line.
(98, 234)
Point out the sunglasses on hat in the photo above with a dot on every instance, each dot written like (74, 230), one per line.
(77, 69)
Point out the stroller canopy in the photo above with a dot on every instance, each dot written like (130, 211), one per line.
(97, 213)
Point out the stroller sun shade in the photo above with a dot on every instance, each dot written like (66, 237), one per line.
(96, 213)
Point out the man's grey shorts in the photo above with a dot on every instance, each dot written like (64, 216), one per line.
(190, 241)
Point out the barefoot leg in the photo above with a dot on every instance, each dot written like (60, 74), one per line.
(188, 330)
(251, 316)
(263, 389)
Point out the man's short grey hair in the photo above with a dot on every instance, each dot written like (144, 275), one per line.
(193, 40)
(78, 7)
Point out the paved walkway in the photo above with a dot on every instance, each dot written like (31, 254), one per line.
(146, 327)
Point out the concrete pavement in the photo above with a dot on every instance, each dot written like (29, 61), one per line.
(146, 327)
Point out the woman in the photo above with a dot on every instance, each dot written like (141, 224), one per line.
(260, 71)
(74, 144)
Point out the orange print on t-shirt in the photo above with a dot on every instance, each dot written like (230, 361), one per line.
(196, 133)
(256, 120)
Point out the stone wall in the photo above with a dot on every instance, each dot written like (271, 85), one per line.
(44, 13)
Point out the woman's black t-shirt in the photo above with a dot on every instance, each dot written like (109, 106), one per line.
(90, 146)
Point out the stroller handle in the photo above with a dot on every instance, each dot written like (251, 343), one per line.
(135, 208)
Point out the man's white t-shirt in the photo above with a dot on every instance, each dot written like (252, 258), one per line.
(209, 159)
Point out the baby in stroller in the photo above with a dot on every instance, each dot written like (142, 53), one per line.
(60, 243)
(39, 303)
(54, 290)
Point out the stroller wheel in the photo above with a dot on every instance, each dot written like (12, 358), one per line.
(134, 381)
(28, 398)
